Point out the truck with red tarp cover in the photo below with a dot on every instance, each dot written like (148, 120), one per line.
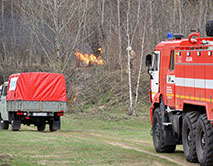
(33, 98)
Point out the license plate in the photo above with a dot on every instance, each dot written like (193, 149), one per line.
(39, 114)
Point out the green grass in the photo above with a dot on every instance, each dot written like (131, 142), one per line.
(88, 138)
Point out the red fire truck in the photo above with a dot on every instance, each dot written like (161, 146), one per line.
(181, 93)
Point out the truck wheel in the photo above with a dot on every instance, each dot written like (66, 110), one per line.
(41, 127)
(4, 125)
(188, 135)
(15, 125)
(204, 141)
(158, 136)
(209, 28)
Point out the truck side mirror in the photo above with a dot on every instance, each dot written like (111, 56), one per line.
(149, 60)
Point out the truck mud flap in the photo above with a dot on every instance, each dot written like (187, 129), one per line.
(56, 124)
(170, 138)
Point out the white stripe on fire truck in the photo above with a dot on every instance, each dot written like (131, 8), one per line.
(195, 64)
(194, 83)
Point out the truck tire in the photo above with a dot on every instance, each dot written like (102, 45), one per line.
(41, 127)
(188, 135)
(209, 28)
(4, 125)
(15, 125)
(158, 136)
(204, 141)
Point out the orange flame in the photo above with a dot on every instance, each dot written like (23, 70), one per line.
(100, 50)
(75, 97)
(92, 59)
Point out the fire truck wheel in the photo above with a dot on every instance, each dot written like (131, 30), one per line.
(41, 126)
(209, 28)
(204, 141)
(158, 137)
(188, 135)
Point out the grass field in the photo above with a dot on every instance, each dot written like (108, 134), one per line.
(88, 138)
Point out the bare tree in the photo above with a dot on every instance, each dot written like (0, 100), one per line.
(140, 69)
(51, 22)
(119, 46)
(3, 31)
(128, 54)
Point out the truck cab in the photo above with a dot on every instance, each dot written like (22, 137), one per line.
(3, 106)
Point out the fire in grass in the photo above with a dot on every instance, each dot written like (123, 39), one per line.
(89, 59)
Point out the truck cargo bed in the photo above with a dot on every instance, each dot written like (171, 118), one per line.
(36, 106)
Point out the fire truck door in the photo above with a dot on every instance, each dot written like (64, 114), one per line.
(170, 82)
(155, 73)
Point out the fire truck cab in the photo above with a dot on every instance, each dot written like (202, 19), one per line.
(181, 93)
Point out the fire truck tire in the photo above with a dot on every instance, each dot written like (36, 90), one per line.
(204, 141)
(41, 127)
(158, 137)
(188, 135)
(209, 28)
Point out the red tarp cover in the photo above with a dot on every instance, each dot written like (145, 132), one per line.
(37, 87)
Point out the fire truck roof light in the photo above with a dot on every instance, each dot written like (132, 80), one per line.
(169, 35)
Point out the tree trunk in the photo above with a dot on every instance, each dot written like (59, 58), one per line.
(129, 69)
(119, 47)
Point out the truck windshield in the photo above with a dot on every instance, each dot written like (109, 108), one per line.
(155, 62)
(172, 61)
